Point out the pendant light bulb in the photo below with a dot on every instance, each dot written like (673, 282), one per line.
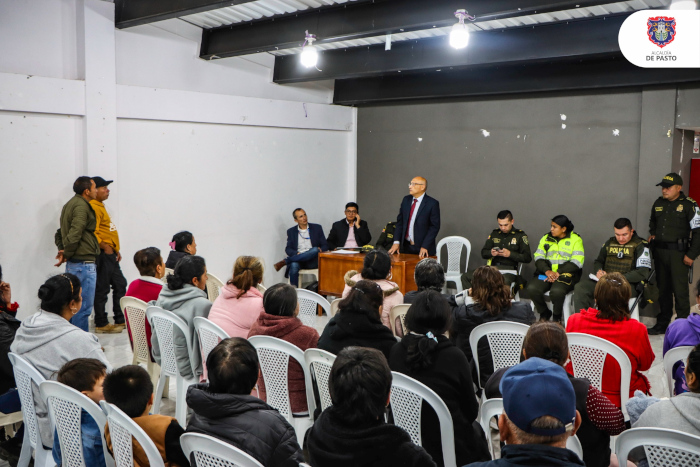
(309, 54)
(459, 36)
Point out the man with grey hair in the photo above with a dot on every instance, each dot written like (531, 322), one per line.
(539, 415)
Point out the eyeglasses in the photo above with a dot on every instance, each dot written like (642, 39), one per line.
(414, 184)
(349, 211)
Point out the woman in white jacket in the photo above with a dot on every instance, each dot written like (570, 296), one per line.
(47, 339)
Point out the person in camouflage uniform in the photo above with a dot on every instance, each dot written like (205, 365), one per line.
(626, 253)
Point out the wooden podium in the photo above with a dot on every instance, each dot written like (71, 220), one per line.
(333, 266)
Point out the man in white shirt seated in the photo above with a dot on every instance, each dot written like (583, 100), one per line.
(304, 242)
(343, 236)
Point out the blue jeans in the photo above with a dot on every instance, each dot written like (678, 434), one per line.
(92, 443)
(87, 275)
(306, 260)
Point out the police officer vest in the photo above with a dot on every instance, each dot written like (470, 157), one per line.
(620, 258)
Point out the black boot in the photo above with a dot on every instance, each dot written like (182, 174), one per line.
(658, 329)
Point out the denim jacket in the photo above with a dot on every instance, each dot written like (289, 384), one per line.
(92, 443)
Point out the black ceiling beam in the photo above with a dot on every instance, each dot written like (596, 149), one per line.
(595, 73)
(357, 20)
(551, 41)
(130, 13)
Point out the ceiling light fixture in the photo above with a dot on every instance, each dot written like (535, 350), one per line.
(309, 54)
(683, 5)
(459, 37)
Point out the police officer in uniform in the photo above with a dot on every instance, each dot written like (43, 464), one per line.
(673, 217)
(626, 253)
(386, 239)
(505, 249)
(558, 262)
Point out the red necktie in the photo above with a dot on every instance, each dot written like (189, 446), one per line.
(410, 216)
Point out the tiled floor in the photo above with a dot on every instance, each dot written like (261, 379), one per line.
(118, 352)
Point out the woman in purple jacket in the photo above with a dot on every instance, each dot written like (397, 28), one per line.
(683, 331)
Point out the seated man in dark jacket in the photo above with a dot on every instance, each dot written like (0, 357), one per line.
(352, 432)
(351, 232)
(225, 409)
(535, 432)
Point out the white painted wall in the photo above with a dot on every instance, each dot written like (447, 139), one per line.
(212, 147)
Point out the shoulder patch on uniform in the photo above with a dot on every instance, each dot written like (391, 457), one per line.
(644, 260)
(525, 240)
(695, 221)
(489, 238)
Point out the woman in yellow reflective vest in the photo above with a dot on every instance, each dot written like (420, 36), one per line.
(558, 262)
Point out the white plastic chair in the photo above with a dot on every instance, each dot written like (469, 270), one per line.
(274, 355)
(454, 255)
(399, 311)
(674, 355)
(261, 288)
(407, 396)
(494, 408)
(663, 447)
(505, 340)
(319, 363)
(634, 312)
(214, 285)
(164, 324)
(65, 407)
(168, 271)
(302, 273)
(25, 375)
(211, 452)
(568, 305)
(308, 302)
(516, 297)
(135, 312)
(210, 334)
(588, 359)
(334, 307)
(122, 431)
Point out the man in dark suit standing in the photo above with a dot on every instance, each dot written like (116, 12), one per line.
(341, 235)
(304, 242)
(418, 222)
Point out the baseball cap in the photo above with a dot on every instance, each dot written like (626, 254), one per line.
(535, 388)
(670, 180)
(100, 182)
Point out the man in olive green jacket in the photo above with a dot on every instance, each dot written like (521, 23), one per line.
(78, 247)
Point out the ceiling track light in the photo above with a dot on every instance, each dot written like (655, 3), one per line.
(459, 36)
(309, 54)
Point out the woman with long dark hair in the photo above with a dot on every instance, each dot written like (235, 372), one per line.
(181, 245)
(426, 355)
(491, 303)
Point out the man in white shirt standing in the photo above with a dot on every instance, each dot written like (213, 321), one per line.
(304, 242)
(418, 222)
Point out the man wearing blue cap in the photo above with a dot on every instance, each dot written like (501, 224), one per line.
(539, 415)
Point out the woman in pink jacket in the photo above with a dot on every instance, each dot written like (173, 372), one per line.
(239, 302)
(377, 268)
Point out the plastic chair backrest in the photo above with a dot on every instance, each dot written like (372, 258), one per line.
(274, 355)
(407, 396)
(505, 340)
(674, 355)
(662, 447)
(308, 302)
(25, 374)
(319, 363)
(454, 252)
(122, 431)
(164, 324)
(588, 358)
(135, 312)
(209, 334)
(65, 407)
(334, 307)
(261, 288)
(398, 311)
(214, 285)
(211, 452)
